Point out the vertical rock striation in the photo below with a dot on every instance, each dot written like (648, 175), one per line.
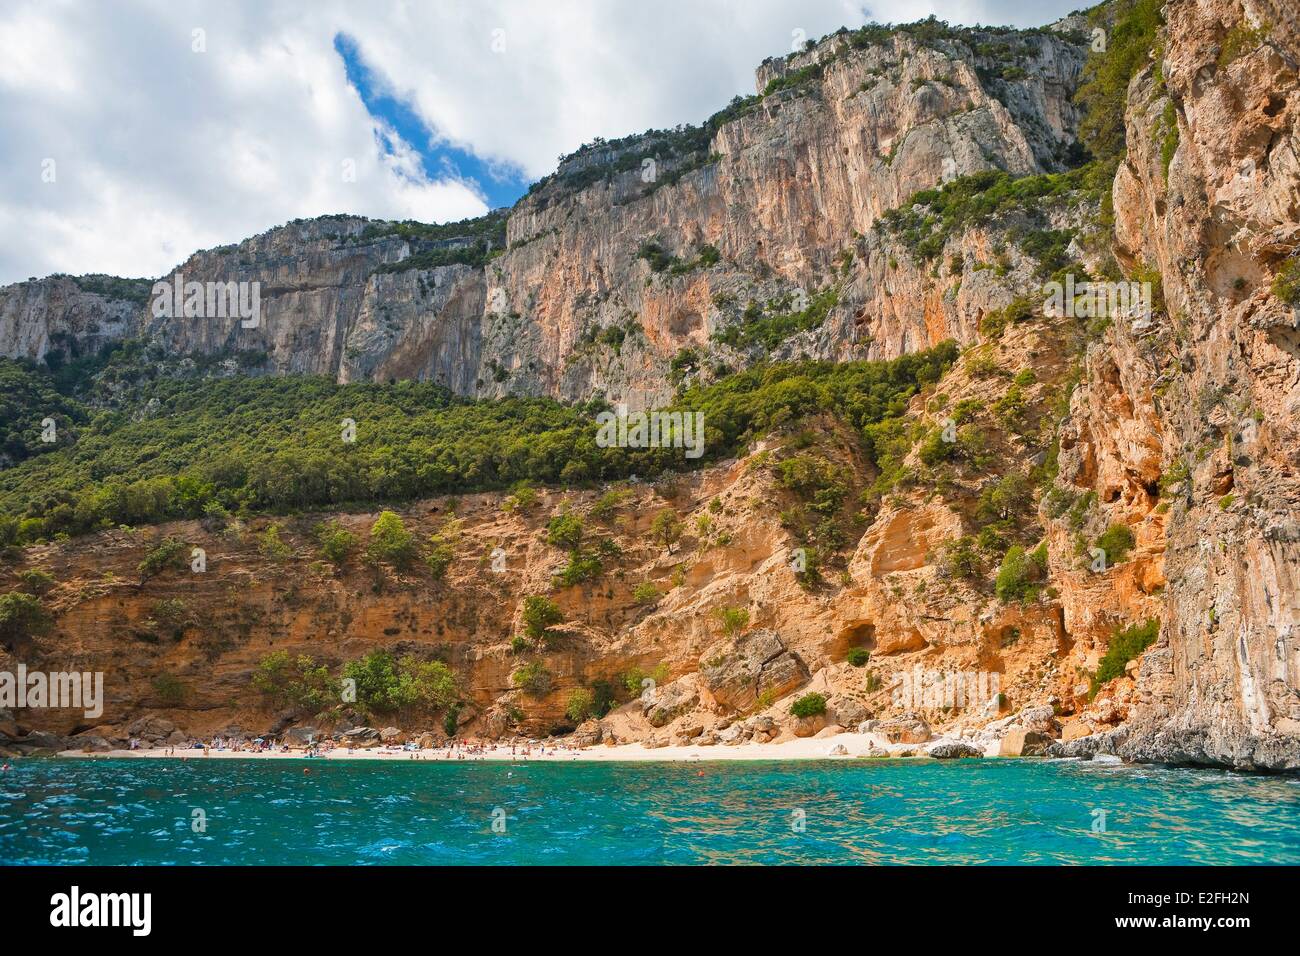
(1217, 387)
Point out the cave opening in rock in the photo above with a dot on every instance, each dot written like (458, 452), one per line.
(858, 634)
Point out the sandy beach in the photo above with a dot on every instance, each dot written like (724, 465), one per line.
(841, 746)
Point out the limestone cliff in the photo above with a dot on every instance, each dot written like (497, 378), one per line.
(782, 186)
(1210, 393)
(64, 315)
(1068, 479)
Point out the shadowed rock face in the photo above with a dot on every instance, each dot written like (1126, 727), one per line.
(419, 324)
(790, 193)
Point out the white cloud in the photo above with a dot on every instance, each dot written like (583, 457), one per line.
(160, 150)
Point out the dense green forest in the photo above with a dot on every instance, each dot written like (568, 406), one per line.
(136, 445)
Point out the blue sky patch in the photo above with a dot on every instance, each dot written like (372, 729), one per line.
(498, 184)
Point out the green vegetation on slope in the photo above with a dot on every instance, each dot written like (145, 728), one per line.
(28, 396)
(475, 254)
(809, 705)
(1124, 646)
(471, 242)
(1286, 284)
(768, 329)
(1131, 39)
(382, 684)
(490, 229)
(181, 447)
(932, 216)
(22, 616)
(933, 33)
(115, 287)
(977, 200)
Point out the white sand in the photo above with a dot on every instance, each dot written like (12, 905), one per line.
(810, 748)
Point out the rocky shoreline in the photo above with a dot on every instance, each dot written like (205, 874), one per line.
(1034, 732)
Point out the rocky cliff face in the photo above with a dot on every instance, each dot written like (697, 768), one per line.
(1212, 392)
(183, 645)
(1173, 432)
(790, 188)
(58, 314)
(784, 190)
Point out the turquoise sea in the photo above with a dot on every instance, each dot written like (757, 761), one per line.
(105, 812)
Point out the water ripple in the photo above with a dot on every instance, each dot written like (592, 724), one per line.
(108, 812)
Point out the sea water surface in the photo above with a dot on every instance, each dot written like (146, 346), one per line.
(133, 811)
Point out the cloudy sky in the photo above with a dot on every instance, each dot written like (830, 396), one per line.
(136, 132)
